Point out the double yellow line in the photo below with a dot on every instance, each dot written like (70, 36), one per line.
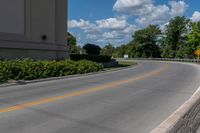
(81, 92)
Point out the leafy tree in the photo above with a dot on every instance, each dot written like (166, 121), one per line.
(144, 44)
(175, 38)
(194, 36)
(145, 41)
(71, 41)
(108, 50)
(92, 49)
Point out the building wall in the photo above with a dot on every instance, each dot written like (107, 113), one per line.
(12, 16)
(42, 20)
(41, 33)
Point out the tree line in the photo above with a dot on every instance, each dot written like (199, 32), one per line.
(179, 39)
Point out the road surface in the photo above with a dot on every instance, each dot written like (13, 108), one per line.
(133, 100)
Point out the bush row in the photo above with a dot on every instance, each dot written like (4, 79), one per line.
(28, 69)
(96, 58)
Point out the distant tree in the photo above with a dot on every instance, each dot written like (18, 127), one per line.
(175, 38)
(108, 50)
(120, 51)
(71, 41)
(92, 49)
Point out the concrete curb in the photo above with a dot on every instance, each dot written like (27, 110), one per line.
(186, 119)
(23, 82)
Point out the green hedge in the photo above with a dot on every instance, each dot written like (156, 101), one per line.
(96, 58)
(29, 69)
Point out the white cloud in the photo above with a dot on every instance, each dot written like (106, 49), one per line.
(178, 8)
(146, 12)
(113, 30)
(92, 36)
(112, 23)
(130, 6)
(78, 24)
(159, 15)
(130, 29)
(196, 16)
(111, 35)
(84, 25)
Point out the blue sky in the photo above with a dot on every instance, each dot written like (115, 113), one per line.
(114, 21)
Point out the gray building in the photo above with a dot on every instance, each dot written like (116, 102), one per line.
(33, 29)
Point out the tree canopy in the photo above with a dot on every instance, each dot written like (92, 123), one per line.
(194, 36)
(71, 41)
(174, 40)
(145, 41)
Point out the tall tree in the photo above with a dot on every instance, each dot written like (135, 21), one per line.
(71, 41)
(145, 42)
(175, 37)
(194, 36)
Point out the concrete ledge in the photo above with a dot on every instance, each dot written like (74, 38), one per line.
(8, 44)
(34, 50)
(162, 59)
(184, 120)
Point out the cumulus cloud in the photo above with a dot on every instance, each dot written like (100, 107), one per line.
(78, 24)
(112, 23)
(159, 15)
(131, 6)
(111, 35)
(196, 16)
(130, 29)
(146, 12)
(83, 24)
(109, 30)
(91, 36)
(178, 8)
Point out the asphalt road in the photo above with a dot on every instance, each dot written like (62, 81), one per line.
(133, 100)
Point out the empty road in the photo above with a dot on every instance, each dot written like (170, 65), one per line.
(133, 100)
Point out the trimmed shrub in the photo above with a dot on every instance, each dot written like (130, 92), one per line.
(28, 69)
(92, 49)
(96, 58)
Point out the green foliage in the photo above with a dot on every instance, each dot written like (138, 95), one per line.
(194, 36)
(92, 49)
(96, 58)
(175, 38)
(71, 41)
(144, 44)
(120, 51)
(145, 40)
(107, 50)
(29, 69)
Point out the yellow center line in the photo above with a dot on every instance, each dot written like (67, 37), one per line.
(81, 92)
